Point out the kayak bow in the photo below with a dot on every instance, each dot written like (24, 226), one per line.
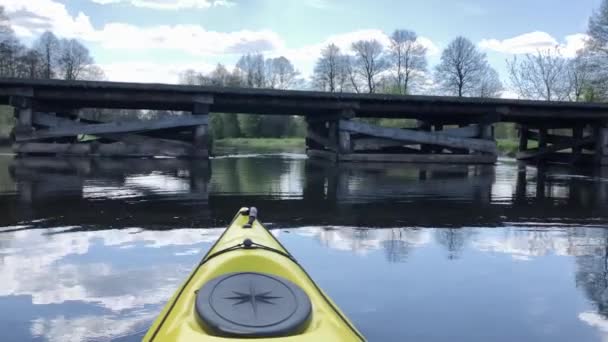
(247, 287)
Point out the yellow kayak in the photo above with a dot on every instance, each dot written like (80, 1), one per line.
(248, 287)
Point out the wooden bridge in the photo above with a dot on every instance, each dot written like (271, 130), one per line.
(448, 130)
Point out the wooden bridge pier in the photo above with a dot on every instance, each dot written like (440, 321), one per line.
(343, 138)
(576, 143)
(45, 129)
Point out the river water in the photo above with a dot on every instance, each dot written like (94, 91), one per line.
(90, 250)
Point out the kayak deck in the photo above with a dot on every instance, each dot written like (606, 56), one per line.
(243, 249)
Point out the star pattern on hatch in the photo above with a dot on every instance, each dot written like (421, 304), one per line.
(253, 297)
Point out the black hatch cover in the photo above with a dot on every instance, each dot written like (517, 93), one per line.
(251, 304)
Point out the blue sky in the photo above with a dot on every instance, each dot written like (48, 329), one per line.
(152, 40)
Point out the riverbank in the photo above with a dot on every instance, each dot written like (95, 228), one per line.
(506, 147)
(263, 144)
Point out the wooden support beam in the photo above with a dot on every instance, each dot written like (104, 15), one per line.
(542, 137)
(17, 91)
(419, 158)
(316, 136)
(367, 144)
(553, 138)
(523, 137)
(371, 144)
(115, 127)
(345, 142)
(601, 145)
(577, 134)
(201, 132)
(486, 132)
(542, 151)
(438, 128)
(170, 147)
(332, 134)
(412, 136)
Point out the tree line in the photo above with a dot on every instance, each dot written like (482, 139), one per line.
(49, 57)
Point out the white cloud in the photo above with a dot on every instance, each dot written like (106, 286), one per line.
(150, 72)
(170, 4)
(46, 14)
(193, 39)
(533, 41)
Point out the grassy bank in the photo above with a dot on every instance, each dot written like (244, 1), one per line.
(264, 144)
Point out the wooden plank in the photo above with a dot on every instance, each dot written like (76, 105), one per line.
(113, 95)
(201, 141)
(327, 155)
(542, 137)
(523, 137)
(116, 127)
(486, 132)
(23, 91)
(431, 138)
(366, 144)
(553, 138)
(541, 151)
(170, 147)
(577, 134)
(420, 158)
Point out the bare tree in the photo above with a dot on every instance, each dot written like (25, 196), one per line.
(369, 62)
(30, 63)
(408, 58)
(326, 72)
(220, 76)
(596, 55)
(10, 48)
(598, 29)
(73, 60)
(189, 77)
(351, 74)
(461, 69)
(280, 73)
(580, 76)
(543, 75)
(252, 67)
(48, 46)
(490, 85)
(10, 53)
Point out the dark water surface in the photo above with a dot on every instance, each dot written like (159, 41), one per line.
(92, 249)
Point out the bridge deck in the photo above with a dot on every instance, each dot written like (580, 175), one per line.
(82, 94)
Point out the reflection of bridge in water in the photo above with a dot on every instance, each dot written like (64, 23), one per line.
(169, 193)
